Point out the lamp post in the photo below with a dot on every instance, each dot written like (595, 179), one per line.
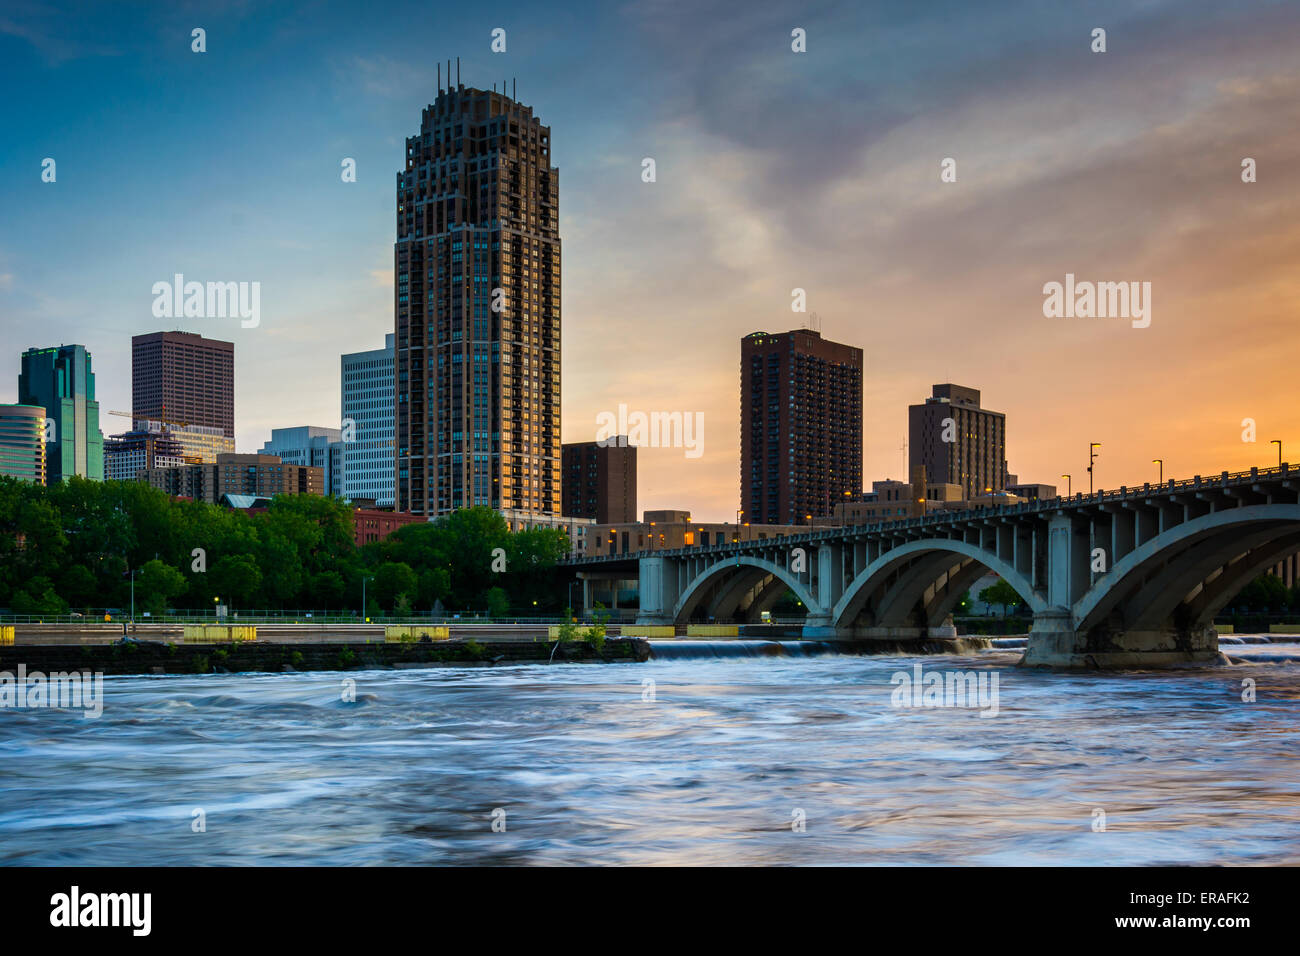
(1067, 485)
(1161, 463)
(1092, 456)
(133, 573)
(1279, 451)
(364, 579)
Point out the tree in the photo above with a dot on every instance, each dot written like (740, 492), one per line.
(37, 596)
(435, 584)
(79, 587)
(327, 589)
(235, 578)
(391, 579)
(157, 584)
(498, 602)
(1000, 593)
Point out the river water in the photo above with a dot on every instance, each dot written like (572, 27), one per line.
(739, 759)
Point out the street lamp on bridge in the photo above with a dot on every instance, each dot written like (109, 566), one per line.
(1279, 451)
(1092, 457)
(1067, 485)
(1161, 463)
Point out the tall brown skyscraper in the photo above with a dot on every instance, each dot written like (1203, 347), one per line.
(186, 382)
(800, 426)
(477, 305)
(600, 481)
(184, 377)
(958, 442)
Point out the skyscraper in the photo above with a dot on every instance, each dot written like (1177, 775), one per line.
(800, 426)
(477, 305)
(957, 441)
(188, 382)
(22, 442)
(600, 481)
(61, 381)
(367, 417)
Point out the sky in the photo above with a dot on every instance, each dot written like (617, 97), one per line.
(775, 170)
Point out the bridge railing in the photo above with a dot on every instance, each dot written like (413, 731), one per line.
(943, 518)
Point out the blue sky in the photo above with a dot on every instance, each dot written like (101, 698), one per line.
(775, 170)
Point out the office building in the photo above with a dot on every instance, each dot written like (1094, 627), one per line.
(257, 475)
(800, 426)
(188, 382)
(477, 309)
(600, 480)
(671, 529)
(367, 422)
(575, 528)
(958, 442)
(22, 442)
(61, 381)
(311, 446)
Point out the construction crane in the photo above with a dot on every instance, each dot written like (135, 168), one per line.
(143, 417)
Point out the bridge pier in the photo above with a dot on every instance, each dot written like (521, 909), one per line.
(659, 590)
(1054, 642)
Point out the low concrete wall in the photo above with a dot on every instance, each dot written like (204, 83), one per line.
(165, 658)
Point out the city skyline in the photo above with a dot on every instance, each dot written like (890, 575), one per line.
(936, 282)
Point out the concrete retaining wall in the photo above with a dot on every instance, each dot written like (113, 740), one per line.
(163, 658)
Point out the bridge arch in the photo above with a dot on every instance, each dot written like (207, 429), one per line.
(723, 585)
(1186, 575)
(891, 586)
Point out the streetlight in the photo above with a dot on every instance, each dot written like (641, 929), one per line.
(1092, 456)
(216, 599)
(1161, 463)
(364, 579)
(1067, 485)
(1279, 451)
(133, 573)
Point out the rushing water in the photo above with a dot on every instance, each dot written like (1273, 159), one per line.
(708, 766)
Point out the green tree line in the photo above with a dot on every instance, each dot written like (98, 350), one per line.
(74, 545)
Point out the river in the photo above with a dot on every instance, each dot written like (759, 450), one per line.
(693, 759)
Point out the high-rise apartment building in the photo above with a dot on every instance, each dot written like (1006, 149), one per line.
(600, 480)
(800, 426)
(313, 447)
(477, 306)
(958, 442)
(61, 381)
(188, 382)
(367, 417)
(22, 442)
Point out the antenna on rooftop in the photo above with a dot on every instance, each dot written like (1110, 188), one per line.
(458, 71)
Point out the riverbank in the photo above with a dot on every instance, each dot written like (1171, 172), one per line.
(153, 657)
(158, 657)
